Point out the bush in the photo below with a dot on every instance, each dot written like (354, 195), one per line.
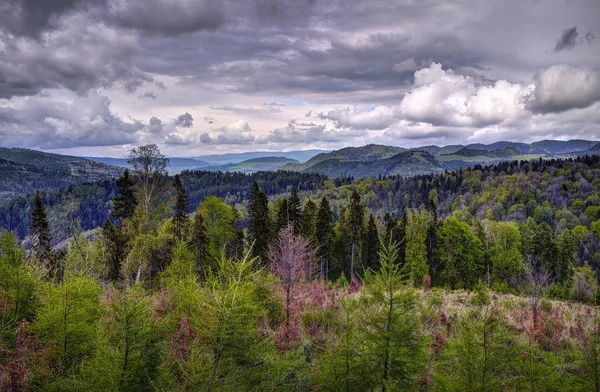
(481, 295)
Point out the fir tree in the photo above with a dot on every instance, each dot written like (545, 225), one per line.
(294, 207)
(371, 245)
(180, 219)
(393, 348)
(114, 245)
(356, 216)
(324, 236)
(199, 242)
(125, 202)
(283, 216)
(259, 225)
(40, 235)
(309, 218)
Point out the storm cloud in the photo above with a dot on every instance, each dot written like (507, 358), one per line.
(90, 73)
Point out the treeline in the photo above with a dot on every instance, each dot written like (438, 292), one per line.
(90, 204)
(166, 300)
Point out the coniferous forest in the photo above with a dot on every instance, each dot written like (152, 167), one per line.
(480, 279)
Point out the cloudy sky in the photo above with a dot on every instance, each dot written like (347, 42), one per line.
(96, 77)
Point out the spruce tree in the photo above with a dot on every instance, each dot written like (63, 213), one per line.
(113, 241)
(125, 202)
(283, 216)
(199, 242)
(324, 236)
(40, 234)
(393, 349)
(371, 245)
(180, 219)
(294, 207)
(235, 247)
(309, 217)
(259, 225)
(356, 217)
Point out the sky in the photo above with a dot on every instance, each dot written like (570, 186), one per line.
(195, 77)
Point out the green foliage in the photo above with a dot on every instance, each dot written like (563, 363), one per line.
(462, 254)
(504, 250)
(19, 286)
(392, 350)
(415, 267)
(218, 218)
(66, 325)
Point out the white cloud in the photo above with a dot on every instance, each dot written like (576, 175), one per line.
(379, 117)
(237, 133)
(445, 98)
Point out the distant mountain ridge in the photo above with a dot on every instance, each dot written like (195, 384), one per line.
(176, 165)
(220, 159)
(23, 171)
(374, 160)
(254, 165)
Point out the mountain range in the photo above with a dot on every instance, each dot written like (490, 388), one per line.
(23, 171)
(374, 160)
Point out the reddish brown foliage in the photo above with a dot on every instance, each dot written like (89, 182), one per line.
(15, 373)
(426, 283)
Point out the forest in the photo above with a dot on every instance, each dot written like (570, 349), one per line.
(480, 279)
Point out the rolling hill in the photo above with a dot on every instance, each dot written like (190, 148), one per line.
(222, 159)
(24, 171)
(374, 160)
(176, 164)
(255, 164)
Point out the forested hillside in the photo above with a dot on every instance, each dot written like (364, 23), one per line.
(24, 171)
(481, 279)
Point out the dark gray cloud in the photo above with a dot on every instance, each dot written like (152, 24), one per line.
(185, 120)
(31, 17)
(568, 39)
(46, 122)
(148, 95)
(589, 37)
(79, 56)
(167, 17)
(561, 88)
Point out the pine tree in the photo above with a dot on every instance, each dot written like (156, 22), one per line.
(371, 245)
(356, 216)
(199, 242)
(259, 225)
(114, 245)
(393, 347)
(324, 236)
(235, 247)
(125, 202)
(295, 210)
(180, 219)
(283, 216)
(40, 235)
(309, 218)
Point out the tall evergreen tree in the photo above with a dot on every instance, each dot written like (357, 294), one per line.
(259, 225)
(355, 219)
(199, 242)
(309, 218)
(324, 236)
(283, 216)
(113, 242)
(40, 234)
(371, 245)
(180, 219)
(235, 247)
(125, 202)
(294, 207)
